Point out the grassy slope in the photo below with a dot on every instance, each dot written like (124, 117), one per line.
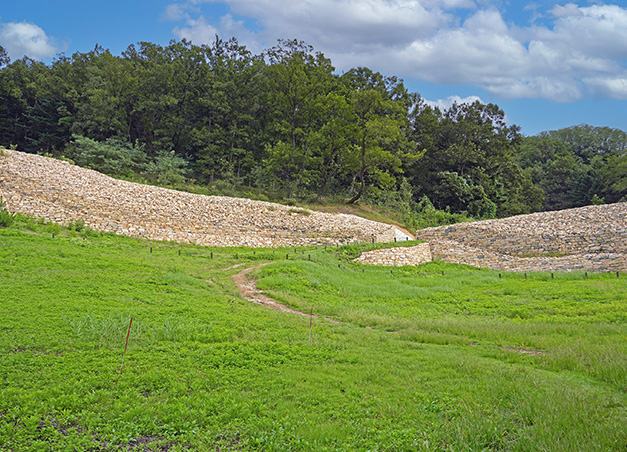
(206, 370)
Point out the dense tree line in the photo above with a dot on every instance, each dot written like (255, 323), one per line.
(577, 166)
(284, 121)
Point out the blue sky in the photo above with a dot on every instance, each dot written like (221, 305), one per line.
(547, 64)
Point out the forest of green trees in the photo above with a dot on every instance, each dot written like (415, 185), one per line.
(286, 124)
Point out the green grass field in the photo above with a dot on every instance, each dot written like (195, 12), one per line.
(420, 360)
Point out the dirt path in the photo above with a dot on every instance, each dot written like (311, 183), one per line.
(248, 289)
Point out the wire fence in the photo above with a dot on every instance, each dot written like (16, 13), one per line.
(313, 253)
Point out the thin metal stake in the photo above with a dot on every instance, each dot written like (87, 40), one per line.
(310, 324)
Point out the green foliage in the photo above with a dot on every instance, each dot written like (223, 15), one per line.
(167, 168)
(414, 215)
(206, 369)
(4, 57)
(284, 123)
(78, 225)
(455, 191)
(468, 164)
(573, 165)
(113, 156)
(380, 106)
(426, 215)
(119, 158)
(7, 219)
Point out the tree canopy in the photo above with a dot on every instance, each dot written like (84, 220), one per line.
(285, 122)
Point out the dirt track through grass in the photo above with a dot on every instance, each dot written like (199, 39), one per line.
(249, 291)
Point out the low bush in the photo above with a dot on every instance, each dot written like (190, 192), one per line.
(7, 219)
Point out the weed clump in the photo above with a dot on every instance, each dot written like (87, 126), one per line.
(298, 211)
(6, 218)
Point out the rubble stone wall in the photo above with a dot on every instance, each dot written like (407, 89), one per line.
(592, 238)
(455, 252)
(590, 229)
(60, 192)
(397, 257)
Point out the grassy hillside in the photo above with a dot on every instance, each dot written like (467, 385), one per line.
(420, 360)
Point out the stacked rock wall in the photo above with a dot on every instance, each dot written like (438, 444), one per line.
(592, 238)
(455, 252)
(591, 229)
(60, 192)
(397, 257)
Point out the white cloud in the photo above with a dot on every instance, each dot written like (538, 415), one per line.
(448, 4)
(610, 87)
(445, 104)
(597, 31)
(568, 10)
(578, 51)
(23, 38)
(198, 31)
(175, 12)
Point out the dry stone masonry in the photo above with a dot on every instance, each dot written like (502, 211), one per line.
(455, 252)
(592, 238)
(397, 257)
(60, 192)
(591, 229)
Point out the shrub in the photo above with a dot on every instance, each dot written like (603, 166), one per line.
(168, 168)
(78, 225)
(6, 218)
(114, 157)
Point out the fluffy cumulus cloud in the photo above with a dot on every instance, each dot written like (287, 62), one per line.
(197, 30)
(578, 51)
(24, 38)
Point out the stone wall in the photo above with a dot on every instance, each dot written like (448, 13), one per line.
(455, 252)
(60, 192)
(397, 257)
(591, 229)
(592, 238)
